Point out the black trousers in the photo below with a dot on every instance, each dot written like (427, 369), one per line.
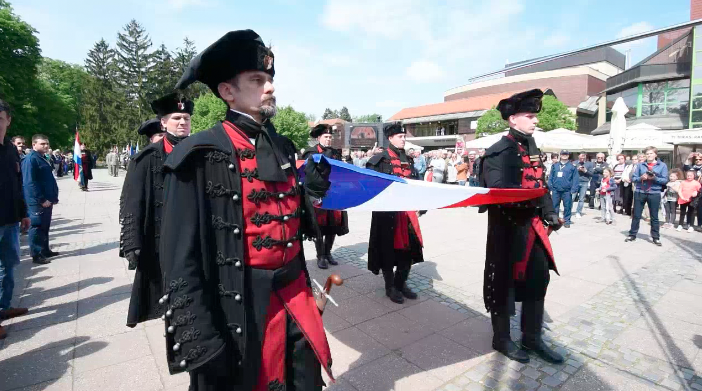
(302, 370)
(687, 212)
(534, 286)
(627, 199)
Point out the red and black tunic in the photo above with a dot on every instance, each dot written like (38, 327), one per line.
(233, 263)
(330, 222)
(518, 250)
(395, 237)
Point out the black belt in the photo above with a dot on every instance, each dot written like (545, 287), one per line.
(287, 274)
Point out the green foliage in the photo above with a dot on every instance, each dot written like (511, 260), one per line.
(329, 114)
(182, 59)
(490, 123)
(344, 114)
(555, 114)
(19, 59)
(134, 64)
(163, 75)
(208, 111)
(311, 117)
(293, 125)
(375, 117)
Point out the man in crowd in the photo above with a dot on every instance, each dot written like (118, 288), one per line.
(40, 193)
(438, 167)
(13, 215)
(331, 222)
(141, 205)
(19, 143)
(650, 177)
(519, 253)
(234, 218)
(84, 173)
(395, 237)
(563, 183)
(627, 186)
(420, 164)
(112, 162)
(585, 169)
(597, 170)
(473, 164)
(694, 163)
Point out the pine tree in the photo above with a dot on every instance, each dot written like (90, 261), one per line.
(135, 63)
(164, 74)
(344, 114)
(182, 59)
(102, 121)
(328, 114)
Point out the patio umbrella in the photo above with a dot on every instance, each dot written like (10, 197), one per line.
(617, 132)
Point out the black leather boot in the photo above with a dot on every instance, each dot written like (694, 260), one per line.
(390, 290)
(401, 277)
(532, 321)
(328, 243)
(319, 246)
(502, 342)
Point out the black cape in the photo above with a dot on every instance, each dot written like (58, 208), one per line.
(508, 228)
(343, 228)
(202, 252)
(88, 165)
(140, 208)
(381, 243)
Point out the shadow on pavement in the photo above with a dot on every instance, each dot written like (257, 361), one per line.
(44, 366)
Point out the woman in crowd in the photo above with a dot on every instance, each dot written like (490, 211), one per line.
(606, 190)
(689, 189)
(618, 171)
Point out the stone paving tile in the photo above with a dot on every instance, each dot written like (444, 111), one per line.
(120, 348)
(391, 373)
(433, 315)
(359, 309)
(35, 367)
(441, 357)
(61, 384)
(140, 374)
(19, 342)
(394, 330)
(352, 348)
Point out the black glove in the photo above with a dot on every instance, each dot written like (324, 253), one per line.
(132, 258)
(553, 221)
(317, 178)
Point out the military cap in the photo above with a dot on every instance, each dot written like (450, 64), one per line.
(236, 52)
(150, 127)
(393, 129)
(523, 102)
(172, 103)
(322, 129)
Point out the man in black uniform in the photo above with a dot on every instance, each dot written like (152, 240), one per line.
(518, 254)
(241, 315)
(141, 205)
(331, 222)
(395, 237)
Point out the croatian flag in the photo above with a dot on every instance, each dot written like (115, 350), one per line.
(353, 188)
(77, 159)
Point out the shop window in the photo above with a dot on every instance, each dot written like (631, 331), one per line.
(669, 97)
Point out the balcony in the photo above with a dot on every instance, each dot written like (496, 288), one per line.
(643, 73)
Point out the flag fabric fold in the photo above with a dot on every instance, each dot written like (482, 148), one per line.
(359, 189)
(77, 159)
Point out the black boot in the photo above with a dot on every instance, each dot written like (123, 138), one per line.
(319, 245)
(401, 277)
(502, 342)
(328, 243)
(532, 320)
(390, 291)
(40, 260)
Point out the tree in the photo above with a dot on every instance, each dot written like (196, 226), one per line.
(134, 65)
(490, 123)
(344, 114)
(164, 75)
(208, 111)
(311, 117)
(293, 125)
(19, 59)
(182, 59)
(329, 114)
(555, 114)
(375, 117)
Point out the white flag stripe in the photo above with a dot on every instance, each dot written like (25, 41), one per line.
(418, 195)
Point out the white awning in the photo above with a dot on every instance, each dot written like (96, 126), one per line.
(683, 137)
(443, 117)
(435, 141)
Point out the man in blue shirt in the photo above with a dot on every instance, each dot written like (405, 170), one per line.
(420, 163)
(650, 177)
(563, 182)
(41, 193)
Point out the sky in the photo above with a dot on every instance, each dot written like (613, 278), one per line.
(372, 56)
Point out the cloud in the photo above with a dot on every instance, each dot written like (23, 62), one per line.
(556, 39)
(636, 28)
(424, 71)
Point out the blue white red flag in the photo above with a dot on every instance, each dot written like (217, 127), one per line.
(77, 159)
(354, 188)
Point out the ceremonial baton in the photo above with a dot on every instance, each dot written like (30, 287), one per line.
(324, 296)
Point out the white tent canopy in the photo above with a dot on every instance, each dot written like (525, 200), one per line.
(637, 139)
(688, 136)
(552, 141)
(409, 145)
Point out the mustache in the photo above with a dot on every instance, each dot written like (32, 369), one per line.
(272, 99)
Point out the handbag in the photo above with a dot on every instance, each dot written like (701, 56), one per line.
(695, 202)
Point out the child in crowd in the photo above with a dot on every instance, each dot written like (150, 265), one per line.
(671, 194)
(688, 190)
(606, 191)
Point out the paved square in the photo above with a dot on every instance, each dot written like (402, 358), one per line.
(627, 316)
